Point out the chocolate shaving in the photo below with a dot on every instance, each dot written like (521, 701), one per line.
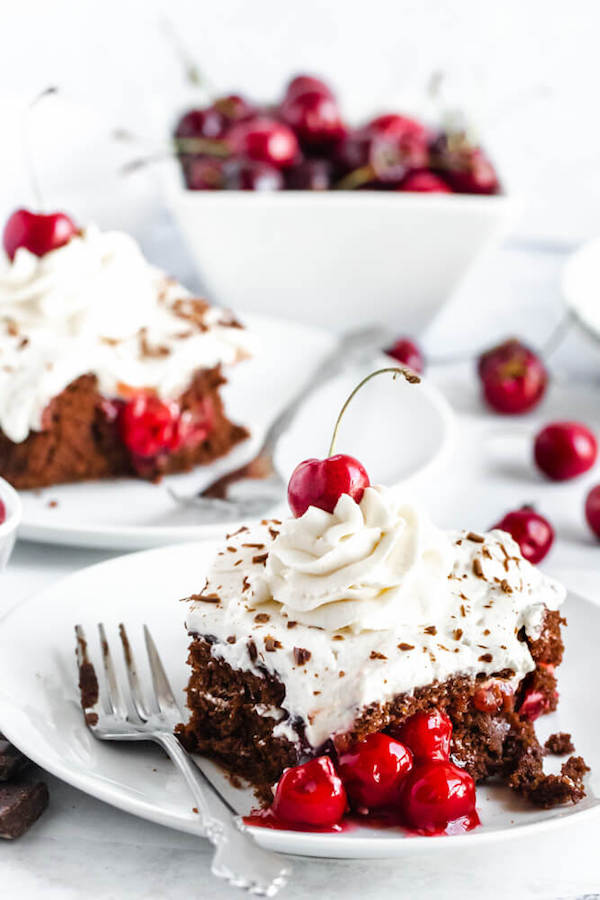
(404, 646)
(506, 586)
(457, 634)
(261, 558)
(477, 567)
(476, 538)
(205, 598)
(254, 546)
(375, 654)
(231, 639)
(301, 655)
(486, 657)
(271, 644)
(291, 624)
(252, 651)
(430, 629)
(262, 617)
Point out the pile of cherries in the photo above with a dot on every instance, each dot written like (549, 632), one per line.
(513, 380)
(405, 778)
(303, 143)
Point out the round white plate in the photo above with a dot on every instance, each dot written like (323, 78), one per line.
(39, 705)
(128, 514)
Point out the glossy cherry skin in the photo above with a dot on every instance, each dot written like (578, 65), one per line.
(302, 84)
(311, 794)
(234, 108)
(533, 533)
(407, 353)
(436, 793)
(427, 734)
(253, 176)
(424, 182)
(372, 771)
(201, 123)
(37, 232)
(264, 140)
(513, 377)
(321, 483)
(309, 175)
(564, 450)
(2, 512)
(464, 166)
(149, 426)
(592, 510)
(534, 705)
(204, 173)
(314, 117)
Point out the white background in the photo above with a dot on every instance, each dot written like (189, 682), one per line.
(526, 71)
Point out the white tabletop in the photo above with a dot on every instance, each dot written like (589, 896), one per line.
(83, 848)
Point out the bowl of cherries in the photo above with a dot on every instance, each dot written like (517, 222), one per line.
(288, 210)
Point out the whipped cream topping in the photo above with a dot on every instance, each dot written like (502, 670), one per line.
(403, 606)
(366, 566)
(97, 306)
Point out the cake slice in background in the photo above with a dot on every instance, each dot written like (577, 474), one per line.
(107, 366)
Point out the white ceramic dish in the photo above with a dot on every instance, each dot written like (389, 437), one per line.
(127, 514)
(8, 528)
(337, 258)
(39, 706)
(581, 286)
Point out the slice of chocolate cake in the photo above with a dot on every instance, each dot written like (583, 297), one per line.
(108, 367)
(313, 634)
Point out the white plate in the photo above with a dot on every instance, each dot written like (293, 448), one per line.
(39, 706)
(129, 514)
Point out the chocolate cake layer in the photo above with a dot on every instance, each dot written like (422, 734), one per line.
(81, 440)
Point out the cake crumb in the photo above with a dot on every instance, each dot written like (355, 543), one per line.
(559, 744)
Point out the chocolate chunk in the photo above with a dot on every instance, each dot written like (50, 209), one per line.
(301, 655)
(21, 804)
(12, 760)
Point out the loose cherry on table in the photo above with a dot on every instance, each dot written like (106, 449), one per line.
(437, 793)
(513, 377)
(37, 232)
(532, 532)
(2, 512)
(372, 771)
(592, 510)
(564, 450)
(311, 794)
(264, 140)
(427, 734)
(408, 353)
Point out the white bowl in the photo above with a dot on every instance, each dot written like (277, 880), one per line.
(8, 528)
(336, 258)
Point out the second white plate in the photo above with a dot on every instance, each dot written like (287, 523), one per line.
(399, 432)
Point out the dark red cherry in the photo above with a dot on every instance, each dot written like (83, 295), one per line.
(264, 140)
(408, 353)
(321, 483)
(424, 182)
(464, 165)
(309, 175)
(201, 123)
(398, 144)
(302, 84)
(204, 173)
(533, 533)
(310, 794)
(234, 108)
(253, 176)
(427, 734)
(592, 510)
(513, 377)
(373, 769)
(493, 695)
(314, 117)
(149, 426)
(2, 512)
(564, 450)
(534, 705)
(37, 232)
(435, 794)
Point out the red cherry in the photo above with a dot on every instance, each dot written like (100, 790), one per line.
(513, 377)
(193, 426)
(253, 176)
(428, 734)
(464, 165)
(309, 175)
(234, 108)
(204, 173)
(150, 426)
(311, 794)
(264, 140)
(201, 123)
(2, 512)
(424, 182)
(373, 769)
(302, 84)
(37, 232)
(534, 704)
(436, 793)
(407, 353)
(533, 533)
(392, 124)
(592, 510)
(314, 117)
(564, 450)
(321, 483)
(398, 144)
(492, 696)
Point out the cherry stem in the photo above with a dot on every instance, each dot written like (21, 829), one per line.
(33, 179)
(408, 374)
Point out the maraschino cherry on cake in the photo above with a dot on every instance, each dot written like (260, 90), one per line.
(356, 659)
(107, 366)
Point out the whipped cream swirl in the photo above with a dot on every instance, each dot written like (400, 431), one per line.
(367, 566)
(97, 306)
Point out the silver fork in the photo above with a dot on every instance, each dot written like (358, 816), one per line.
(117, 712)
(256, 486)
